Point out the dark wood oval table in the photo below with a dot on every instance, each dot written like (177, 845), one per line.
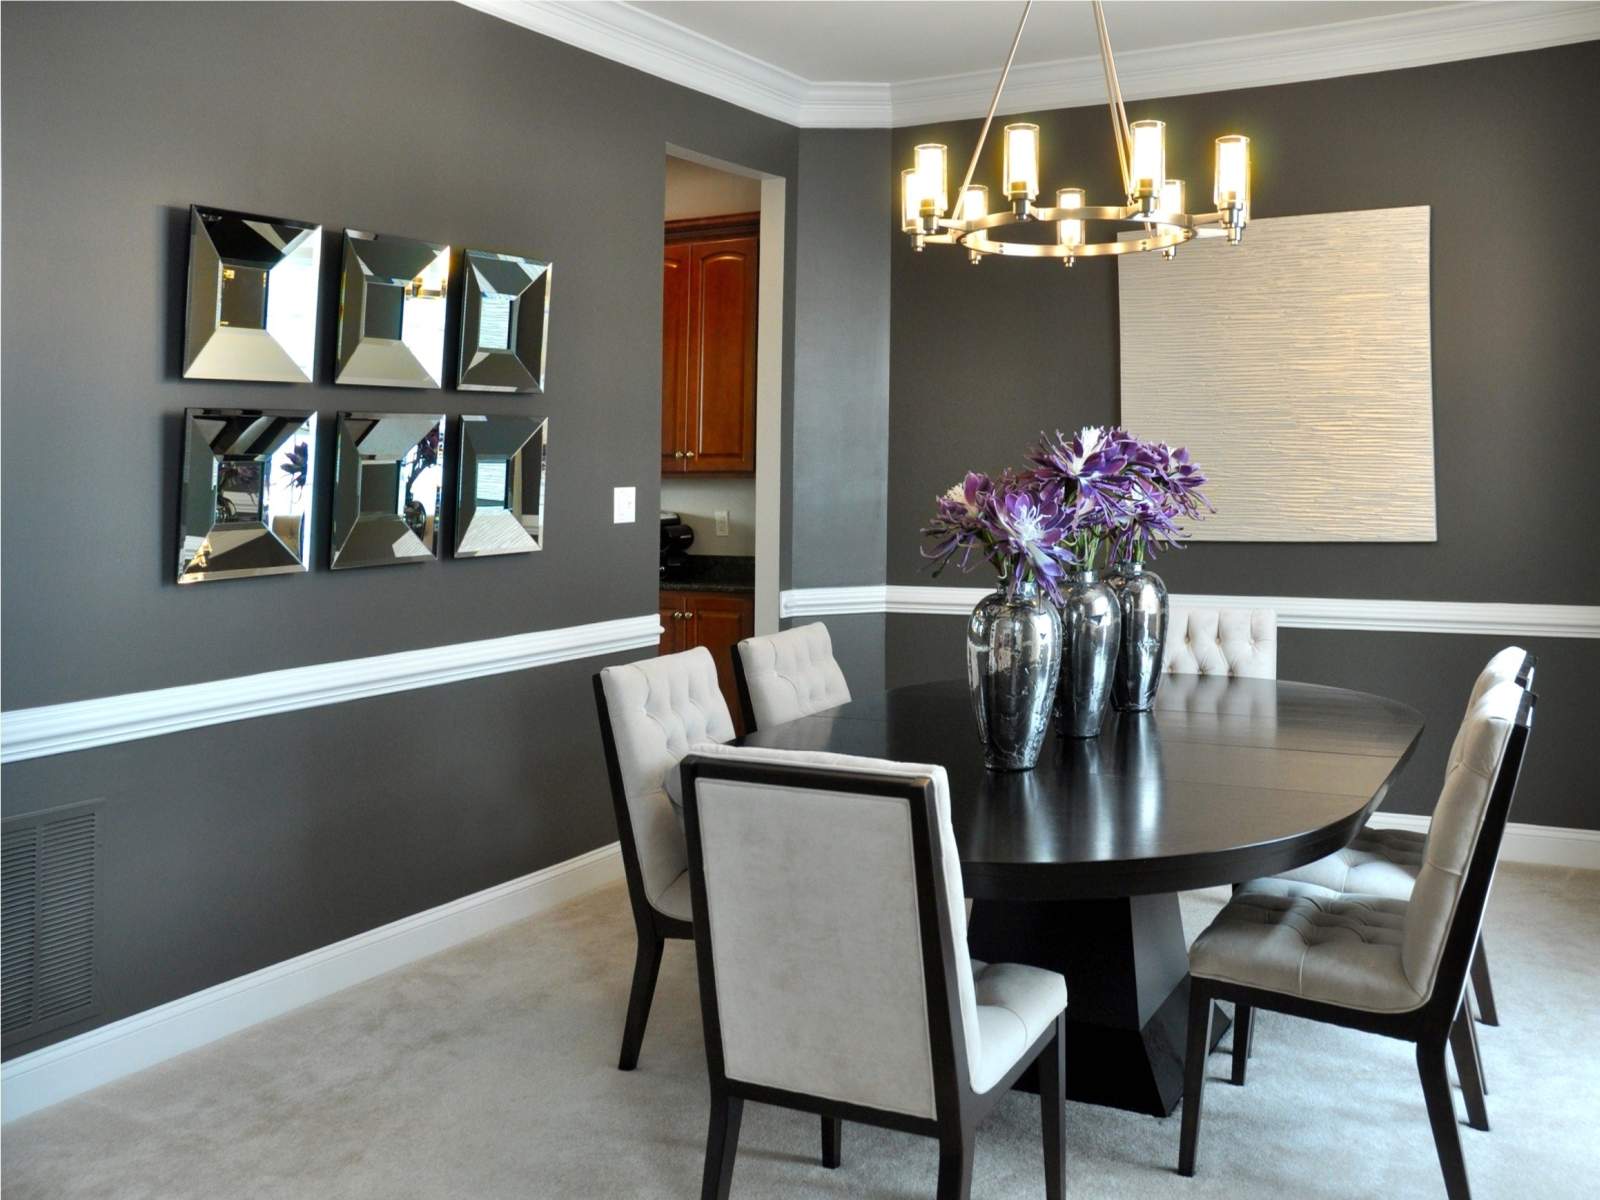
(1076, 865)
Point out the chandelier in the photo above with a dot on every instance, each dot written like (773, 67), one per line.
(1155, 211)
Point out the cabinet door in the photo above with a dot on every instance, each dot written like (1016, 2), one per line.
(722, 386)
(672, 628)
(720, 620)
(675, 356)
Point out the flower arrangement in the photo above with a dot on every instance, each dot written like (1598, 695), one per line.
(1101, 491)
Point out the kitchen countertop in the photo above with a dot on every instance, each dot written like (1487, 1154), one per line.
(712, 573)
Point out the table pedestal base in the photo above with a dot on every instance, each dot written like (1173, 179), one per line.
(1127, 969)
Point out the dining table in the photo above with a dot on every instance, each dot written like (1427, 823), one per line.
(1076, 864)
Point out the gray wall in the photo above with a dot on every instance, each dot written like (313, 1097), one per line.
(1515, 391)
(838, 449)
(236, 846)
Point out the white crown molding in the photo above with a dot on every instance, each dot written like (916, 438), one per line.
(68, 1068)
(1294, 612)
(1386, 43)
(634, 37)
(83, 724)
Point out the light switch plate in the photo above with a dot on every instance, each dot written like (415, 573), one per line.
(722, 522)
(622, 505)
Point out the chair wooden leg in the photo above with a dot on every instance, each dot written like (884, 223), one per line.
(722, 1145)
(832, 1141)
(646, 965)
(955, 1167)
(1442, 1116)
(1477, 1053)
(1466, 1054)
(1481, 985)
(1053, 1111)
(1194, 1074)
(1243, 1027)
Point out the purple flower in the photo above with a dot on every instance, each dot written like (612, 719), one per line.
(1018, 524)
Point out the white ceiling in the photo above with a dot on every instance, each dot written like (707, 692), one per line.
(900, 41)
(870, 64)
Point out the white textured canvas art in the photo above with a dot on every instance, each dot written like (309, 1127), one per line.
(1297, 368)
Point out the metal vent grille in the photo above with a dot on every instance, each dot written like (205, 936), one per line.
(48, 914)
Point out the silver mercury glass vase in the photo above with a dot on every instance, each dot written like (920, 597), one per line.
(1142, 597)
(1013, 658)
(1090, 623)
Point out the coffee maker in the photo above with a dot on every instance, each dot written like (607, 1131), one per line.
(676, 538)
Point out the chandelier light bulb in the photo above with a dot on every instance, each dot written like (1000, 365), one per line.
(1233, 172)
(1172, 196)
(1022, 161)
(910, 199)
(975, 202)
(935, 179)
(1148, 168)
(1069, 233)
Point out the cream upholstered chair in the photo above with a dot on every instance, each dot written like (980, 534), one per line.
(785, 676)
(1392, 967)
(1222, 641)
(651, 712)
(834, 974)
(1385, 862)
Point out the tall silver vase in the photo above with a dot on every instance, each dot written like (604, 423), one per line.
(1142, 597)
(1090, 623)
(1013, 658)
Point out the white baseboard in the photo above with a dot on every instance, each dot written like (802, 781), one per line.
(1540, 845)
(66, 1069)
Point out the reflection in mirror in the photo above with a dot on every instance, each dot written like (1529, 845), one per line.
(388, 475)
(247, 491)
(500, 487)
(391, 311)
(504, 321)
(252, 309)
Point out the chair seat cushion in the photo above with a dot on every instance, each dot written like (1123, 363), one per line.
(1304, 940)
(1380, 862)
(674, 899)
(1016, 1004)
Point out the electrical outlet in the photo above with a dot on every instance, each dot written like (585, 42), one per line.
(722, 522)
(622, 502)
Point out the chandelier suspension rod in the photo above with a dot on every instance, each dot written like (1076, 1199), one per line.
(983, 134)
(1120, 133)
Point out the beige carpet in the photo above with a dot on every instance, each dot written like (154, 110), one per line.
(489, 1071)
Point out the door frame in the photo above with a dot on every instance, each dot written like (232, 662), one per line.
(769, 379)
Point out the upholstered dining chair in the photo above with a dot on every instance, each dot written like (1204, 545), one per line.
(1385, 862)
(834, 973)
(785, 676)
(651, 712)
(1222, 641)
(1391, 967)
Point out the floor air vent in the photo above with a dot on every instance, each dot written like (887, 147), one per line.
(48, 910)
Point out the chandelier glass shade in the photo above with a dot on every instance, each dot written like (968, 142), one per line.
(1154, 217)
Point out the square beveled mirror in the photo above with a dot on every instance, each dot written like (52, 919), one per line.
(253, 292)
(392, 294)
(388, 475)
(500, 486)
(505, 318)
(247, 493)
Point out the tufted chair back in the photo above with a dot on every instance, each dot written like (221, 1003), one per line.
(790, 675)
(1222, 641)
(809, 878)
(1469, 778)
(658, 708)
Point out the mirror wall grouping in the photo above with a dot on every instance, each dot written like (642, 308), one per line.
(252, 314)
(388, 480)
(248, 496)
(247, 493)
(500, 486)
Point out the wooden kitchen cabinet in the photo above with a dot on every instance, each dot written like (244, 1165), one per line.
(710, 271)
(716, 620)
